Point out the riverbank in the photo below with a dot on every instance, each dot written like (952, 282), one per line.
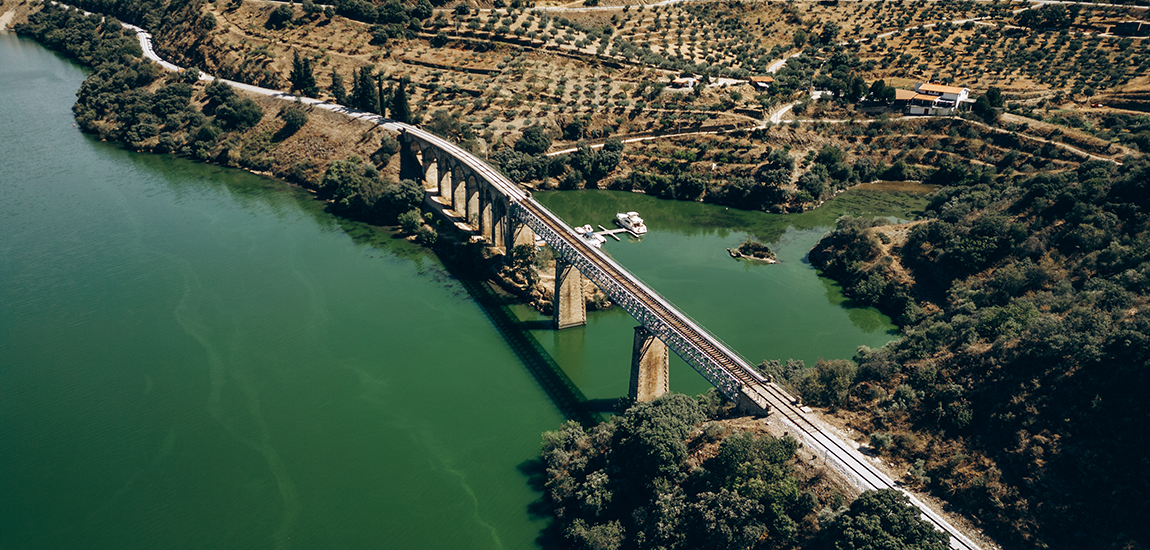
(238, 367)
(267, 146)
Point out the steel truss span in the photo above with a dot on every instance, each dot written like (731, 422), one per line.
(680, 334)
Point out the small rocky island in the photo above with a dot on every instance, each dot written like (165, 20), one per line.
(754, 250)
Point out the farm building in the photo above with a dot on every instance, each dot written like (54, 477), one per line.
(762, 82)
(934, 99)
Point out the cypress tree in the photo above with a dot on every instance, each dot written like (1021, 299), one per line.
(364, 96)
(383, 96)
(400, 110)
(302, 78)
(337, 89)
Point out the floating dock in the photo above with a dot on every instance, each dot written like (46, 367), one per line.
(614, 233)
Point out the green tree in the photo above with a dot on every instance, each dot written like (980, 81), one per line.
(882, 520)
(724, 520)
(410, 221)
(606, 536)
(239, 114)
(280, 17)
(337, 90)
(422, 10)
(534, 141)
(294, 119)
(830, 33)
(364, 95)
(302, 78)
(828, 382)
(984, 108)
(398, 108)
(354, 186)
(448, 125)
(649, 442)
(521, 262)
(994, 95)
(402, 196)
(427, 235)
(799, 39)
(879, 91)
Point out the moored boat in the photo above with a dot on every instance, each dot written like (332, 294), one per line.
(587, 233)
(631, 222)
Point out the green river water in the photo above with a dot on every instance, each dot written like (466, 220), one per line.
(196, 357)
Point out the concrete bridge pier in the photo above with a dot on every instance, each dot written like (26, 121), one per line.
(471, 204)
(650, 367)
(751, 403)
(486, 215)
(570, 307)
(444, 172)
(430, 173)
(500, 214)
(459, 192)
(518, 233)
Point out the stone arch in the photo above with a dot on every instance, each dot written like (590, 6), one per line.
(415, 151)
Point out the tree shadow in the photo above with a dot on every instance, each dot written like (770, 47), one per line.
(607, 404)
(535, 470)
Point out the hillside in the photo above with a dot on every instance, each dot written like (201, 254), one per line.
(1016, 392)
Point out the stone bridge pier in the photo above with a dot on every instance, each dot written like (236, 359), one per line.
(650, 367)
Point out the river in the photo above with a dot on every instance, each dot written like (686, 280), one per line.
(193, 356)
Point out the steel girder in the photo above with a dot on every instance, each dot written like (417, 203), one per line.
(698, 358)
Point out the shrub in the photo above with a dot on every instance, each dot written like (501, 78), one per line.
(294, 119)
(880, 441)
(427, 235)
(410, 221)
(280, 17)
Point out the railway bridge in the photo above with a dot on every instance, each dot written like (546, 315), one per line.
(505, 216)
(496, 208)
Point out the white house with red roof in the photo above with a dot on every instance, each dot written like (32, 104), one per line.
(938, 99)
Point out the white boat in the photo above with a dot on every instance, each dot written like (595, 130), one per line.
(587, 233)
(631, 222)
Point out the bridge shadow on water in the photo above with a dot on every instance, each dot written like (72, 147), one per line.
(563, 392)
(559, 387)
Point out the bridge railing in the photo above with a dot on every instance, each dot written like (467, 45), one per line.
(694, 355)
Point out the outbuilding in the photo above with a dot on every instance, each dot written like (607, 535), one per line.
(762, 82)
(936, 99)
